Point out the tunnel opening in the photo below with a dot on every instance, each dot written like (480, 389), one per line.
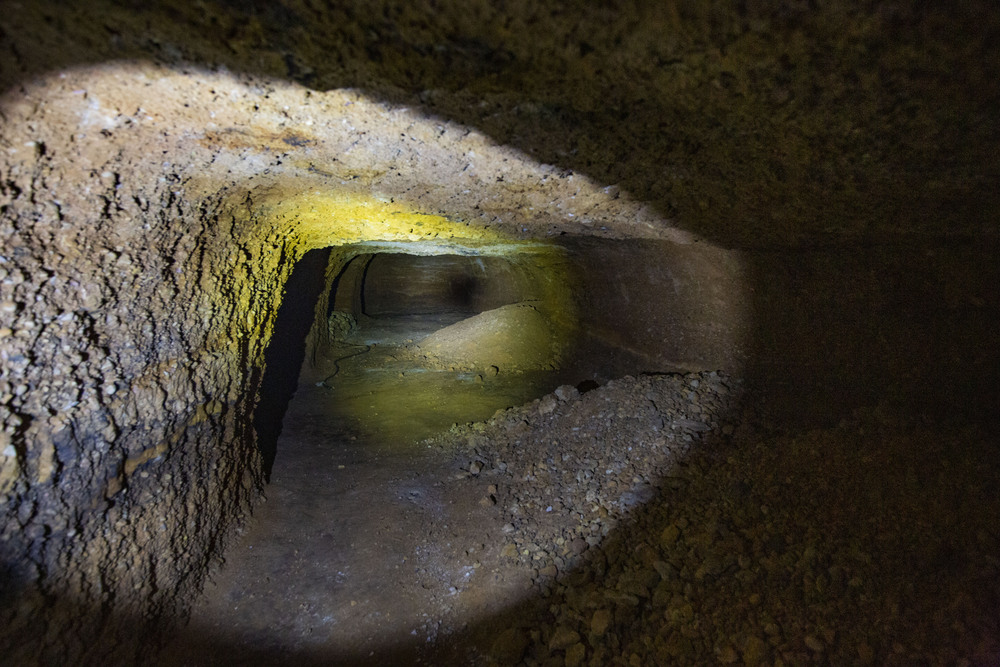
(407, 340)
(410, 340)
(419, 294)
(496, 348)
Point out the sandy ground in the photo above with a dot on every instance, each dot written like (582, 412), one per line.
(371, 546)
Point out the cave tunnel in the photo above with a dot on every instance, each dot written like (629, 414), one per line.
(394, 299)
(487, 334)
(423, 326)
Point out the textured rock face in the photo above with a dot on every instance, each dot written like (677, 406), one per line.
(129, 361)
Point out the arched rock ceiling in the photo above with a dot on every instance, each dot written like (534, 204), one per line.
(327, 168)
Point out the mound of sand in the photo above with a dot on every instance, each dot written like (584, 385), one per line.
(512, 337)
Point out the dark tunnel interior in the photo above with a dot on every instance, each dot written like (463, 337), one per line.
(375, 311)
(387, 298)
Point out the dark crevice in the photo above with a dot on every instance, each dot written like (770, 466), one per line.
(286, 351)
(361, 292)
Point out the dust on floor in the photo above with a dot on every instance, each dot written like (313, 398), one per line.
(653, 520)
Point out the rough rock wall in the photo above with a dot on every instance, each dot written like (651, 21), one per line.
(651, 308)
(756, 125)
(130, 349)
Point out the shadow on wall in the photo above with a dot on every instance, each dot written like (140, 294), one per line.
(912, 328)
(286, 350)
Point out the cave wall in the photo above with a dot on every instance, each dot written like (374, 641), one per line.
(129, 389)
(347, 277)
(414, 284)
(652, 308)
(287, 348)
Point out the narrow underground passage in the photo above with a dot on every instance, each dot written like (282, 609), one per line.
(414, 343)
(373, 545)
(408, 344)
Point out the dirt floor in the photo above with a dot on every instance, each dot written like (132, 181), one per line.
(371, 545)
(651, 520)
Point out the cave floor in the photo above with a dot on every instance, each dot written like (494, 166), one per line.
(370, 545)
(653, 520)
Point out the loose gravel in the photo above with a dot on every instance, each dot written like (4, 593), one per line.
(664, 524)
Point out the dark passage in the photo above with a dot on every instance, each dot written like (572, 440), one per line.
(286, 351)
